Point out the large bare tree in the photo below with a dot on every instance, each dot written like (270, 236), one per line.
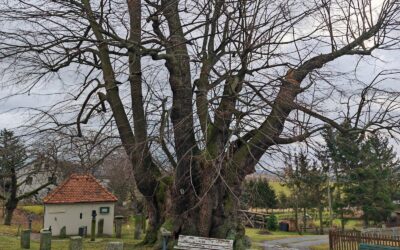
(199, 91)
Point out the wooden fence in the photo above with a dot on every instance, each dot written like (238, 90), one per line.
(253, 219)
(350, 240)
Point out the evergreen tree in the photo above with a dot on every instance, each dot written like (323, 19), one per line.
(283, 200)
(368, 185)
(14, 157)
(343, 152)
(364, 166)
(259, 194)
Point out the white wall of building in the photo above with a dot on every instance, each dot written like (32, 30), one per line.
(68, 215)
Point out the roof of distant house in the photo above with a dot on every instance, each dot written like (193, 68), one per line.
(80, 188)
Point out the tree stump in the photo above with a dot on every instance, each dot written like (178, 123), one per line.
(26, 239)
(45, 240)
(115, 246)
(63, 232)
(75, 243)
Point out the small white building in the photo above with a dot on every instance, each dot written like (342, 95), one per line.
(72, 203)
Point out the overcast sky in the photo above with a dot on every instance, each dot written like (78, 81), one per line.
(13, 112)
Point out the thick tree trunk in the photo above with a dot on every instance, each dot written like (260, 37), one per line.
(12, 200)
(211, 220)
(213, 210)
(10, 206)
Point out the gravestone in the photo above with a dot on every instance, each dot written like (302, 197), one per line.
(118, 226)
(26, 239)
(115, 246)
(100, 227)
(82, 231)
(138, 226)
(45, 240)
(63, 232)
(75, 243)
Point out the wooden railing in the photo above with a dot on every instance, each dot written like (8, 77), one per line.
(253, 219)
(350, 240)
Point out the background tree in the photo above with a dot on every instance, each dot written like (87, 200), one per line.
(259, 194)
(118, 170)
(316, 184)
(13, 159)
(368, 184)
(363, 165)
(307, 181)
(294, 181)
(283, 201)
(343, 150)
(210, 86)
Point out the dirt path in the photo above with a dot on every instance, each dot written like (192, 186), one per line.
(298, 243)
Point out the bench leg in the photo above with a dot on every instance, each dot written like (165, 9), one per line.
(165, 243)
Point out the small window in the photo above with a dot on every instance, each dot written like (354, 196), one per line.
(104, 210)
(80, 216)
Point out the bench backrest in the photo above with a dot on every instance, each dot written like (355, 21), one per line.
(193, 242)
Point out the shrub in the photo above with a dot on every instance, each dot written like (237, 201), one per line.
(272, 223)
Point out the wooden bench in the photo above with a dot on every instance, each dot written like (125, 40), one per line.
(200, 243)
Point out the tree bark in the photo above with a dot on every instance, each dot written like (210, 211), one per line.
(320, 213)
(12, 200)
(10, 206)
(214, 212)
(305, 219)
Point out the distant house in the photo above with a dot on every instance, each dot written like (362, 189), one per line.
(72, 203)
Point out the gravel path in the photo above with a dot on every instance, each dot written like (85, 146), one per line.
(297, 243)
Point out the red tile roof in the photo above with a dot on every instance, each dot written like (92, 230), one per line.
(79, 188)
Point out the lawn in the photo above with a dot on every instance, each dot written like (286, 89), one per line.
(9, 240)
(9, 243)
(320, 247)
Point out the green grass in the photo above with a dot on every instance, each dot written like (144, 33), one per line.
(256, 235)
(8, 230)
(11, 241)
(33, 209)
(279, 188)
(320, 247)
